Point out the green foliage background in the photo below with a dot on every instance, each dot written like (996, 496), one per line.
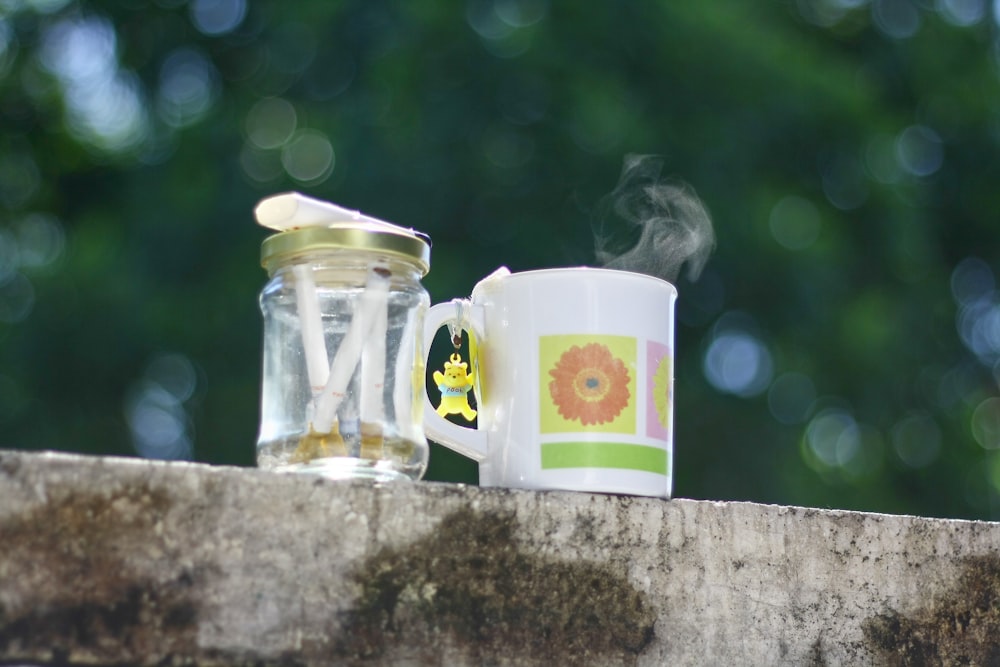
(846, 149)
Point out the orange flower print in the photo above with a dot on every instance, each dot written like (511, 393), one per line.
(589, 384)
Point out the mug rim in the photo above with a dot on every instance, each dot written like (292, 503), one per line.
(489, 281)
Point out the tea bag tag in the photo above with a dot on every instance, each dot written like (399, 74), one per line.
(455, 384)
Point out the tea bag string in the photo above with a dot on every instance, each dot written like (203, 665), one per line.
(457, 325)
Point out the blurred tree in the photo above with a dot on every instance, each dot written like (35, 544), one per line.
(839, 350)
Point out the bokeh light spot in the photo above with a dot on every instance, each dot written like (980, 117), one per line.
(795, 223)
(104, 103)
(521, 13)
(978, 319)
(986, 423)
(40, 240)
(155, 408)
(962, 13)
(823, 14)
(833, 437)
(81, 50)
(827, 13)
(217, 17)
(271, 122)
(957, 385)
(500, 23)
(188, 87)
(8, 47)
(175, 373)
(919, 150)
(898, 19)
(259, 165)
(482, 17)
(979, 328)
(309, 157)
(736, 362)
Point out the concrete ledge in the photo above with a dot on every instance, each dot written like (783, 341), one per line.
(119, 561)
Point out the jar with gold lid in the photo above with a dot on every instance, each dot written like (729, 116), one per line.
(343, 378)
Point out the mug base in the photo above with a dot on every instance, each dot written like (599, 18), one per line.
(610, 482)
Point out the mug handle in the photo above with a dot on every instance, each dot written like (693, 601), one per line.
(469, 442)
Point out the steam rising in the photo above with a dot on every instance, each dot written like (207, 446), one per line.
(672, 225)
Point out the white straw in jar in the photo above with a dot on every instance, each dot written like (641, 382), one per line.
(373, 300)
(373, 384)
(311, 321)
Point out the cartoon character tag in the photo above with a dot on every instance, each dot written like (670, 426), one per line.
(455, 384)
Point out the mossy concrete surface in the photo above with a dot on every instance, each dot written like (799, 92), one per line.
(117, 561)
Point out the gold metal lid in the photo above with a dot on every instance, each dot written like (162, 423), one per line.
(406, 244)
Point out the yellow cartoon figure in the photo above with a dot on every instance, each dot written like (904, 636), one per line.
(454, 385)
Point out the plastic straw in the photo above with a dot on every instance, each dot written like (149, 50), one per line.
(373, 368)
(307, 303)
(373, 299)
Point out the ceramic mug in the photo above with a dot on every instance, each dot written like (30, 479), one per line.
(573, 373)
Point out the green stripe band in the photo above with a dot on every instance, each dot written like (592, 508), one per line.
(603, 455)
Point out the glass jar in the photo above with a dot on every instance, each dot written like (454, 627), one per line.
(343, 374)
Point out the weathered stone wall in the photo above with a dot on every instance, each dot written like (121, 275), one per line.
(117, 561)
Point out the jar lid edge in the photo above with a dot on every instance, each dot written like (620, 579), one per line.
(407, 244)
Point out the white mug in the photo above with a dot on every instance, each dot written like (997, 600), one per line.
(573, 374)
